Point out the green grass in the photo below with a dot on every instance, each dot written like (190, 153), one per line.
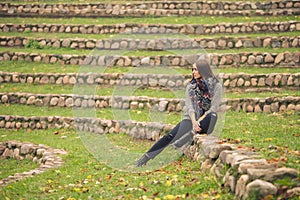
(83, 176)
(33, 35)
(39, 67)
(69, 51)
(150, 20)
(11, 166)
(275, 136)
(129, 91)
(137, 115)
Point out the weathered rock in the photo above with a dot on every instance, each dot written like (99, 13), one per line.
(259, 189)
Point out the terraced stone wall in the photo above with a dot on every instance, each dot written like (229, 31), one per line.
(230, 81)
(160, 44)
(153, 8)
(140, 130)
(267, 105)
(286, 59)
(226, 28)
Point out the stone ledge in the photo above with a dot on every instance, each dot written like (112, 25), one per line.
(157, 44)
(242, 171)
(253, 59)
(141, 130)
(44, 155)
(239, 81)
(267, 105)
(153, 8)
(206, 29)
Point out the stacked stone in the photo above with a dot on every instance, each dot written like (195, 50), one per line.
(266, 105)
(226, 28)
(230, 81)
(41, 154)
(242, 170)
(141, 130)
(177, 8)
(157, 44)
(286, 59)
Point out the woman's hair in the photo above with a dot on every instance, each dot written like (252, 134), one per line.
(204, 69)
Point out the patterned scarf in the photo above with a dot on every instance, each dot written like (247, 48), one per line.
(201, 94)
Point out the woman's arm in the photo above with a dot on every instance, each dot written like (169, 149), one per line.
(217, 98)
(190, 109)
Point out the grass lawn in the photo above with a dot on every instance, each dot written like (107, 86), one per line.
(151, 20)
(82, 176)
(116, 91)
(273, 135)
(12, 166)
(68, 51)
(39, 67)
(258, 130)
(33, 35)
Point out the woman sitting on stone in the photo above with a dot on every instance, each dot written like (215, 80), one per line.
(203, 96)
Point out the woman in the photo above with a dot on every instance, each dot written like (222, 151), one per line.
(203, 96)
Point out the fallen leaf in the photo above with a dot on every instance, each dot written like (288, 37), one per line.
(268, 139)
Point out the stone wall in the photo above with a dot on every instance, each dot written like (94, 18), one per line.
(141, 130)
(242, 170)
(267, 105)
(286, 59)
(157, 44)
(41, 154)
(168, 8)
(226, 28)
(230, 81)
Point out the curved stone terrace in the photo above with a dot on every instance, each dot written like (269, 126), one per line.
(163, 43)
(133, 28)
(272, 8)
(251, 59)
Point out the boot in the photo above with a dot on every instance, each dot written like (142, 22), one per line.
(143, 160)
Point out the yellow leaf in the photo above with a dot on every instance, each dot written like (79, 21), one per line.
(169, 197)
(76, 189)
(84, 190)
(141, 184)
(268, 197)
(168, 183)
(268, 139)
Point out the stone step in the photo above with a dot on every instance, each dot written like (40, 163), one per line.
(198, 29)
(171, 8)
(141, 130)
(267, 105)
(162, 43)
(251, 59)
(231, 82)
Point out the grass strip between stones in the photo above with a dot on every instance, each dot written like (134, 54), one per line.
(150, 20)
(149, 92)
(33, 35)
(52, 50)
(39, 67)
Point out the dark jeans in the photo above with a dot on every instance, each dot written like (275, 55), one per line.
(182, 134)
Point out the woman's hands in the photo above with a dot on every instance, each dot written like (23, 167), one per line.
(196, 127)
(195, 124)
